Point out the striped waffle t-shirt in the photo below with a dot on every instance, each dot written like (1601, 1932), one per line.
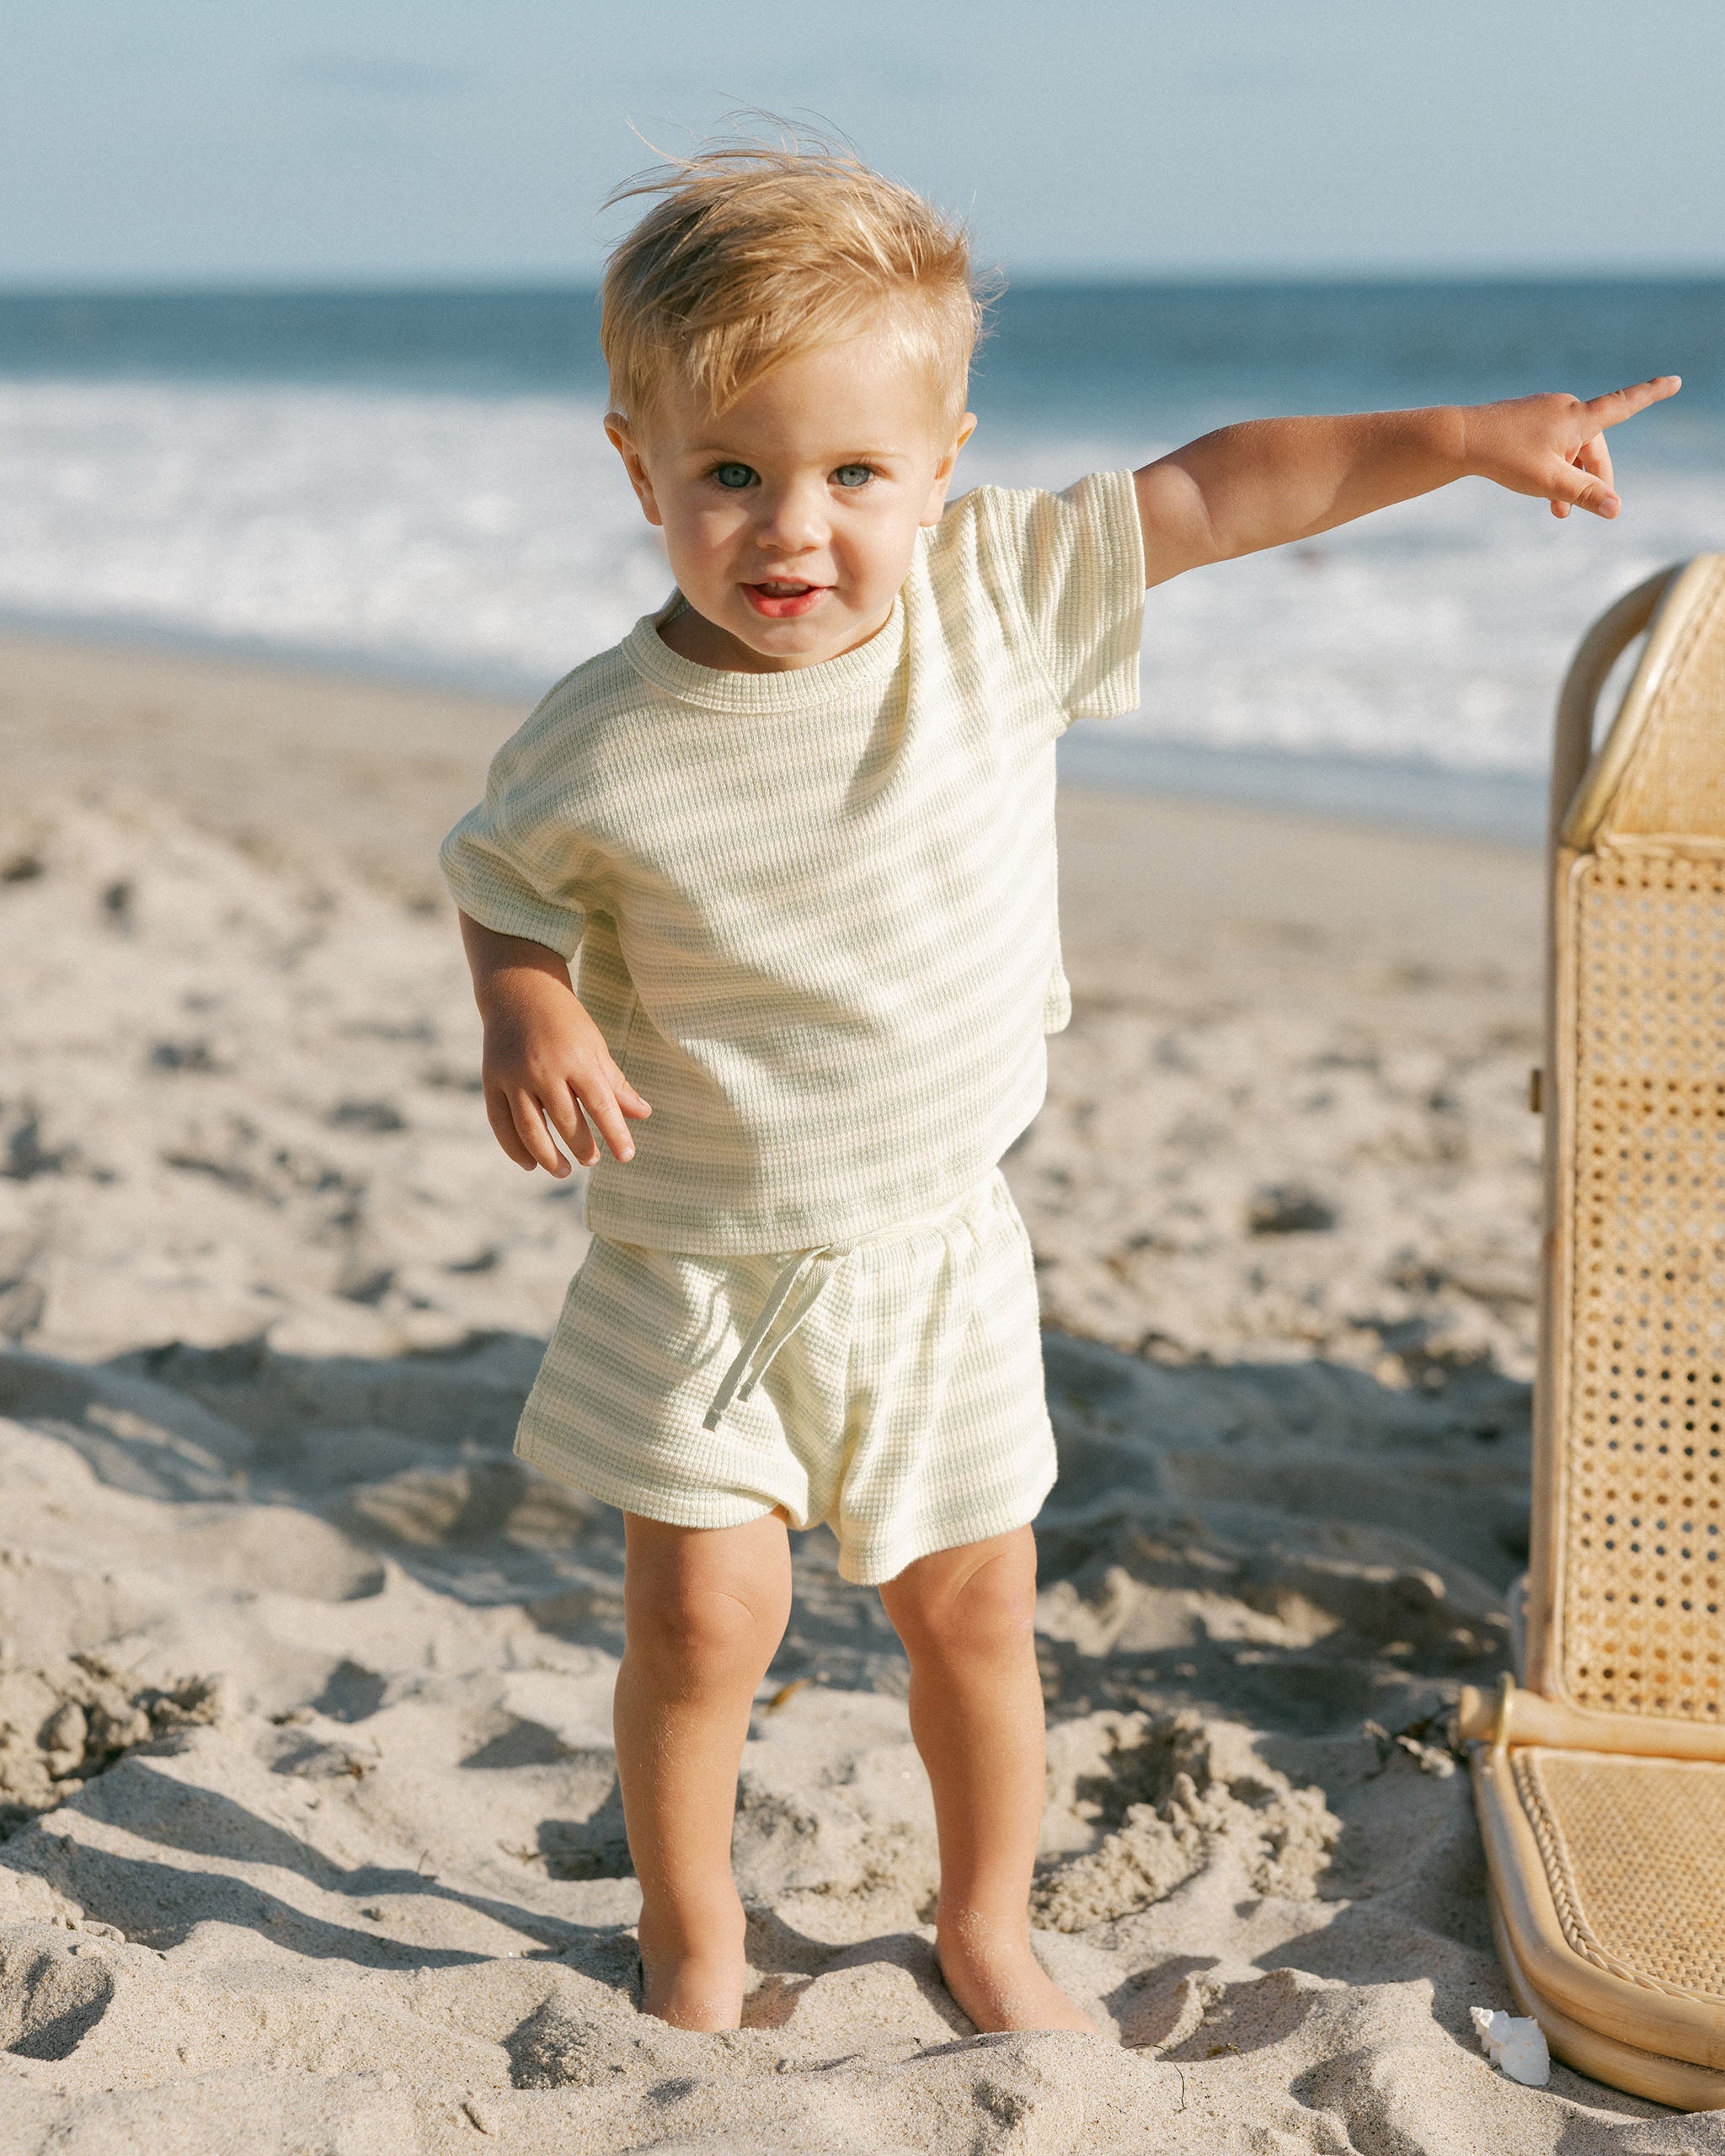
(816, 910)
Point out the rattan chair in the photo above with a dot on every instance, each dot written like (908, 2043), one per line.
(1600, 1779)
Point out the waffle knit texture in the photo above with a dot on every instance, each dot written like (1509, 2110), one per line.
(816, 910)
(900, 1398)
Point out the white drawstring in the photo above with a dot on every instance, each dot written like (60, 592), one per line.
(740, 1380)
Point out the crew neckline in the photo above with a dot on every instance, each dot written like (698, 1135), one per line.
(721, 689)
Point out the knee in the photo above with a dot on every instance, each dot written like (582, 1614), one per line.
(986, 1614)
(700, 1638)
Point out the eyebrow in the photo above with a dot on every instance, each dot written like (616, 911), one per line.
(848, 457)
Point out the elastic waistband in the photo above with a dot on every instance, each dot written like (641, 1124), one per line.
(902, 1230)
(799, 1284)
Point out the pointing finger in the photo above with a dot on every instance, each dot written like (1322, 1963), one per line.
(1617, 405)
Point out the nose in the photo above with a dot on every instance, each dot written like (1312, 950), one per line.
(792, 519)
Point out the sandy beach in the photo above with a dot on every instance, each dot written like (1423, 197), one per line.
(309, 1832)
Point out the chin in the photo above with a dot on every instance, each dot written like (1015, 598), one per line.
(791, 640)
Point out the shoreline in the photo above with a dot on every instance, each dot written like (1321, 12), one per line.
(184, 696)
(1383, 792)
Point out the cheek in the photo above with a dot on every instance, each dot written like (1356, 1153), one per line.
(704, 532)
(875, 551)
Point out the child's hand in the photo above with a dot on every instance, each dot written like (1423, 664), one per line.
(545, 1068)
(1554, 446)
(1263, 481)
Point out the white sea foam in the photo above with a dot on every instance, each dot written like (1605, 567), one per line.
(496, 538)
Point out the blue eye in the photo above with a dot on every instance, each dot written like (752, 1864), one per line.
(853, 475)
(735, 476)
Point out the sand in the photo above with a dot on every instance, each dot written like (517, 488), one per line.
(312, 1835)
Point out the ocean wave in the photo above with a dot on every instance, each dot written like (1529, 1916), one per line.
(497, 540)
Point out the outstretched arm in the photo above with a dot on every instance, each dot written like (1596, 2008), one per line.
(1269, 481)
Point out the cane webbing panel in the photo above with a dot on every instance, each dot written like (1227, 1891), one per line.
(1634, 1853)
(1643, 1566)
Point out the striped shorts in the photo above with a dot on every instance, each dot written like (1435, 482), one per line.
(891, 1387)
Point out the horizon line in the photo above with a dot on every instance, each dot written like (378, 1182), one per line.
(309, 285)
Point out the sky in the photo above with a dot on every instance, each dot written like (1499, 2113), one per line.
(257, 141)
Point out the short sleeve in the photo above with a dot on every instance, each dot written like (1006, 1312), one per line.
(514, 863)
(1073, 563)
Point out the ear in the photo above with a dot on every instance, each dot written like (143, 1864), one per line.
(936, 501)
(623, 442)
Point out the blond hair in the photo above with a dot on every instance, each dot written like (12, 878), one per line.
(756, 253)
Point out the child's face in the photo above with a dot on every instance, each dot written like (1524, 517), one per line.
(790, 518)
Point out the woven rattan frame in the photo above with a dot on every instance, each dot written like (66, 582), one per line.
(1601, 1786)
(1604, 2056)
(1566, 1901)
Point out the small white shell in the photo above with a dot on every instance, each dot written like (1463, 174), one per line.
(1515, 2045)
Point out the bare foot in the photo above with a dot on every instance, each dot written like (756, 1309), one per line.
(694, 1990)
(1000, 1984)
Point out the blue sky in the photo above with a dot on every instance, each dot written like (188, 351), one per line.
(342, 140)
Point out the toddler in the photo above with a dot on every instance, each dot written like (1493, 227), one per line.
(799, 825)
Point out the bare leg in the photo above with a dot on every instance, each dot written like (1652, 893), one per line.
(704, 1611)
(965, 1617)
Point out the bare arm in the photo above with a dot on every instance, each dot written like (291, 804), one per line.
(1269, 481)
(546, 1065)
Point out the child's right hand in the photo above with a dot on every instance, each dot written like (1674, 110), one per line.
(545, 1068)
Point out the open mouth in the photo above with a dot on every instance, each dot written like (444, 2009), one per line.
(781, 599)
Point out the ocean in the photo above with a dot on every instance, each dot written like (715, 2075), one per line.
(416, 483)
